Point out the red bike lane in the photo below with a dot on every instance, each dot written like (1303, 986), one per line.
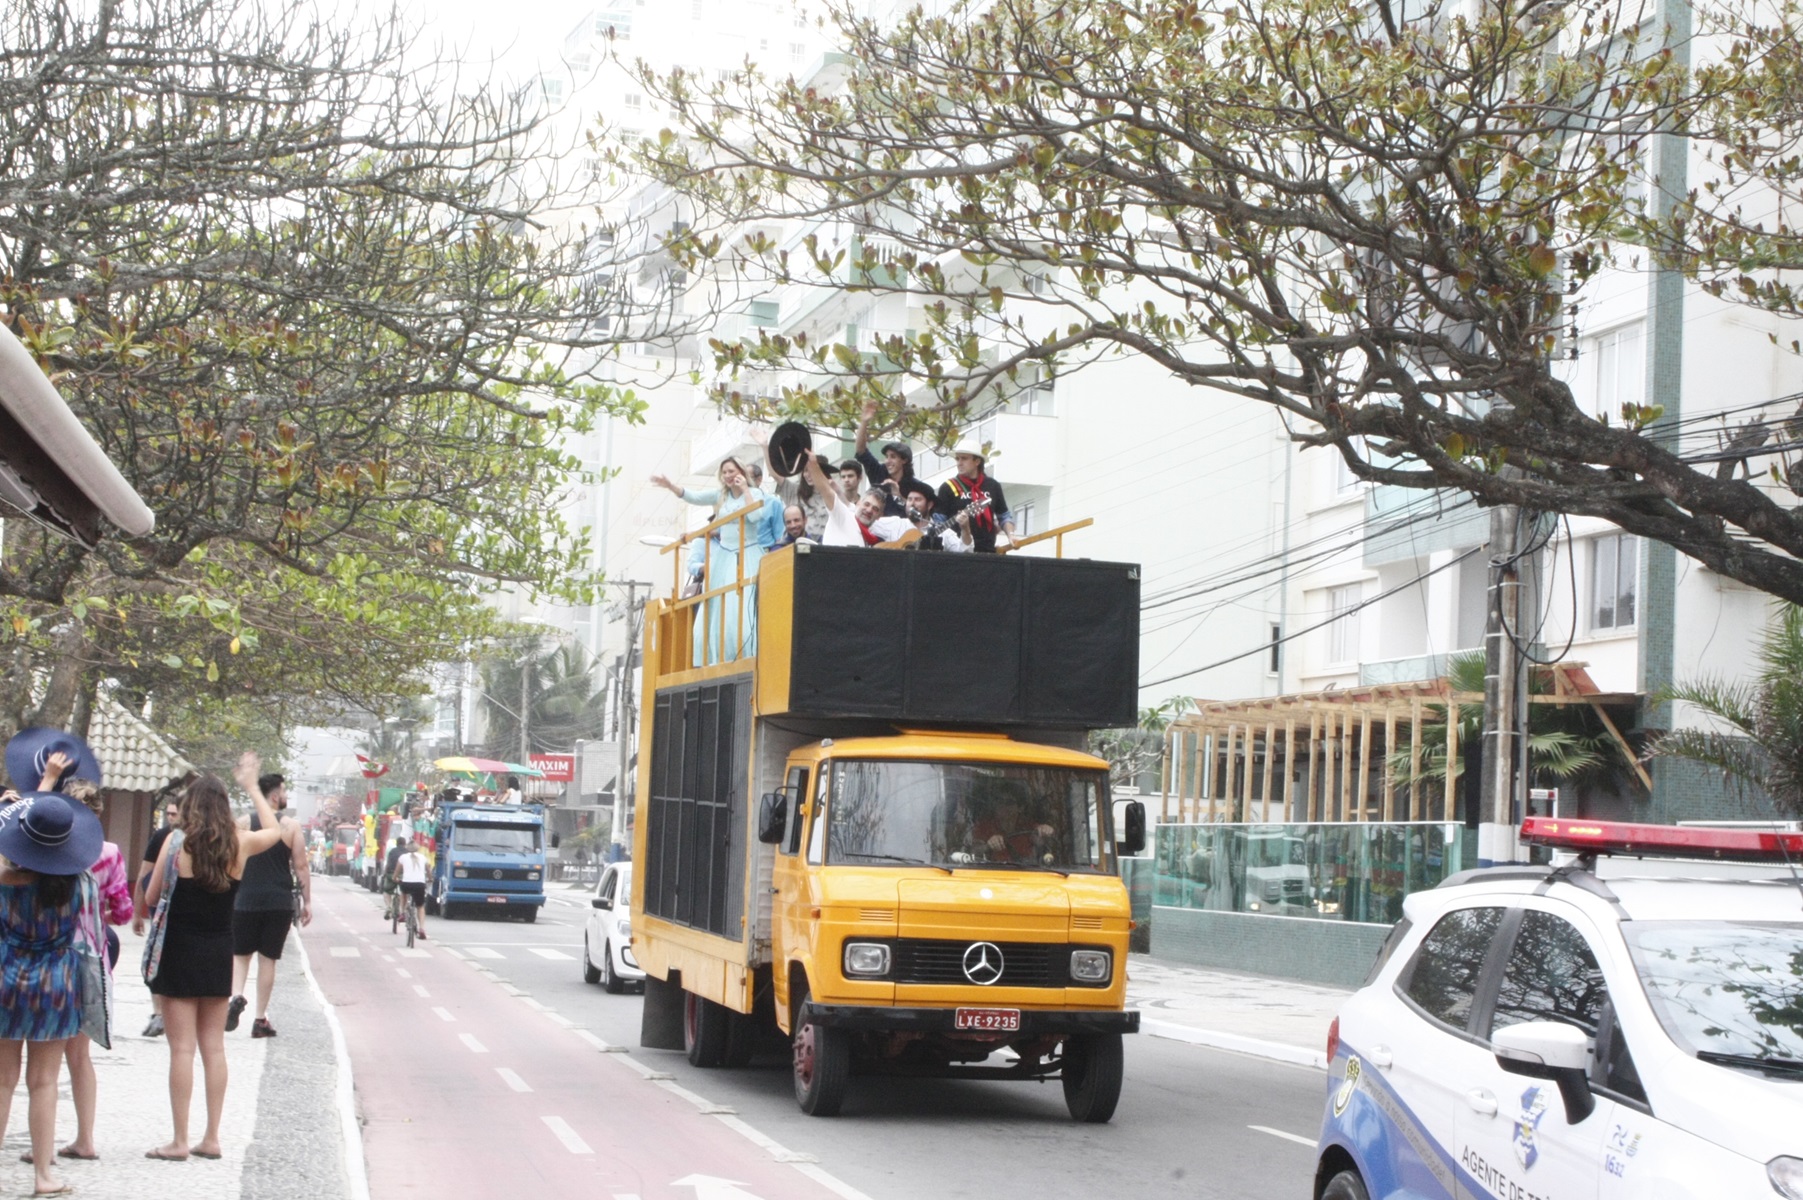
(467, 1091)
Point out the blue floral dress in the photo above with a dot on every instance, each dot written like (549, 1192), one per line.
(40, 968)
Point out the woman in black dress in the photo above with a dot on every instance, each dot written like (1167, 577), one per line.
(194, 976)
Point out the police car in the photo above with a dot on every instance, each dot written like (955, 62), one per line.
(1543, 1033)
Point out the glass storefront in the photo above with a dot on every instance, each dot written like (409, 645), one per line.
(1331, 871)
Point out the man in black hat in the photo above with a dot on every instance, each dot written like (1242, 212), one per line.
(895, 474)
(265, 909)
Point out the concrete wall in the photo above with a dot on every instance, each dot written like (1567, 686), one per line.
(1331, 952)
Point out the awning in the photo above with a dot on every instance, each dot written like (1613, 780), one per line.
(51, 468)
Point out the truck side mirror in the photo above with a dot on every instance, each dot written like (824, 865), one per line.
(1133, 837)
(772, 818)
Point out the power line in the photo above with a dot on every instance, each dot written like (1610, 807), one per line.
(1262, 647)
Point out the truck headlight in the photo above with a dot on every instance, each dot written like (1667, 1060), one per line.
(1786, 1175)
(532, 875)
(866, 958)
(460, 873)
(1090, 966)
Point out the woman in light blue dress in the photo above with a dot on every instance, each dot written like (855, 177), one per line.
(763, 529)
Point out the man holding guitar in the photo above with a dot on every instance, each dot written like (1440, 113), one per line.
(972, 489)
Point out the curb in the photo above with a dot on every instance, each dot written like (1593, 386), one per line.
(1281, 1052)
(355, 1170)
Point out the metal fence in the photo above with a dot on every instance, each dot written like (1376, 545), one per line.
(1342, 871)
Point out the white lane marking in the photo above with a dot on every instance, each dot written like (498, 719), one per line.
(557, 955)
(513, 1080)
(1288, 1137)
(625, 1196)
(415, 952)
(420, 991)
(571, 1142)
(403, 972)
(764, 1141)
(485, 952)
(830, 1182)
(598, 1042)
(453, 951)
(540, 1005)
(712, 1187)
(444, 1014)
(387, 957)
(346, 952)
(561, 1019)
(469, 1039)
(350, 1129)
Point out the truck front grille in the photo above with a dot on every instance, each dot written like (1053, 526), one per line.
(1024, 964)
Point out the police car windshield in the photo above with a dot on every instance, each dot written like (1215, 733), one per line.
(1730, 992)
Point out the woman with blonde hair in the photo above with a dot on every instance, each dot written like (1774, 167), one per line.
(724, 631)
(203, 861)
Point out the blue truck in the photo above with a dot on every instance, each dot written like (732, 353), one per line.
(491, 857)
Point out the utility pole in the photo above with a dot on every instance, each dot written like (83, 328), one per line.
(635, 609)
(1496, 836)
(525, 710)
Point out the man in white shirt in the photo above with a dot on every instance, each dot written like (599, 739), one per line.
(413, 871)
(862, 525)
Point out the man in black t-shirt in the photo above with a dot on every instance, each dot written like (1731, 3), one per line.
(972, 488)
(172, 817)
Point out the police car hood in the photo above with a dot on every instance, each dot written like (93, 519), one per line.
(1744, 1111)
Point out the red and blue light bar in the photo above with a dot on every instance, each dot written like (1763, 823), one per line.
(1665, 841)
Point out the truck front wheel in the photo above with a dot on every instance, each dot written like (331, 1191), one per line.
(1093, 1066)
(704, 1030)
(531, 915)
(822, 1068)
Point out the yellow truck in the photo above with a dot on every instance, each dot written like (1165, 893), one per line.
(874, 827)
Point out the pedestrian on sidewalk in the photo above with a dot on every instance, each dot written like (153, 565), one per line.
(47, 843)
(172, 819)
(265, 908)
(194, 972)
(116, 909)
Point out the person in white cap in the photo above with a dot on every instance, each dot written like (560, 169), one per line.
(972, 488)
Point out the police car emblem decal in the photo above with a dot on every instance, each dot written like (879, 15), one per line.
(1343, 1097)
(1527, 1127)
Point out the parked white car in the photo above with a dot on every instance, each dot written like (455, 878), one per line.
(1539, 1032)
(607, 937)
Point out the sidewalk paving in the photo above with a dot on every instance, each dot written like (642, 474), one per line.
(282, 1133)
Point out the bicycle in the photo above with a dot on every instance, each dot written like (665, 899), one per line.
(412, 918)
(395, 899)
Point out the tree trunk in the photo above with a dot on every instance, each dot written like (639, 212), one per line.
(68, 663)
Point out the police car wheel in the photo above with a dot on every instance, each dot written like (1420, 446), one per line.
(589, 973)
(610, 978)
(1345, 1186)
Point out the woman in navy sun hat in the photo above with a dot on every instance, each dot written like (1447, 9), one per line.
(46, 842)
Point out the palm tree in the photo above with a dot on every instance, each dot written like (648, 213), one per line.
(394, 742)
(563, 702)
(1760, 745)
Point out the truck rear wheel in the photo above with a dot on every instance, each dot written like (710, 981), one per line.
(822, 1068)
(741, 1039)
(704, 1030)
(1093, 1066)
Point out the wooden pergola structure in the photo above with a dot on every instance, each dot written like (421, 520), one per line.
(1326, 756)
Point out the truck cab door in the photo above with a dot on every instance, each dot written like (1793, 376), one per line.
(792, 901)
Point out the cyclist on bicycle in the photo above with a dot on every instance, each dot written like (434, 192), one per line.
(410, 869)
(391, 897)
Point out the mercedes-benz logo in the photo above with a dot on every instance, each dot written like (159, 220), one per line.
(983, 963)
(497, 874)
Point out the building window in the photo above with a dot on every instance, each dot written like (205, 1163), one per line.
(634, 103)
(1023, 519)
(797, 52)
(1614, 581)
(1343, 633)
(696, 10)
(1620, 369)
(1276, 664)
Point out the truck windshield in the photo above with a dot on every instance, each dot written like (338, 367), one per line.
(965, 815)
(479, 838)
(1727, 991)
